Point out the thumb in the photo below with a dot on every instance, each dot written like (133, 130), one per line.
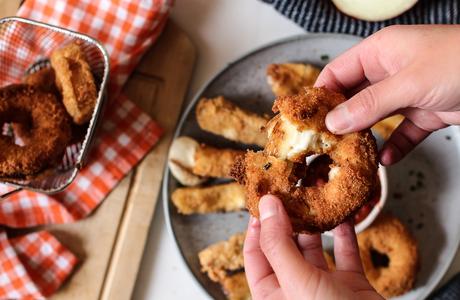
(274, 219)
(276, 241)
(370, 105)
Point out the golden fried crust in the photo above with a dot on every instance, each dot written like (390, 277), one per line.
(223, 197)
(236, 287)
(304, 112)
(386, 127)
(214, 162)
(44, 79)
(49, 130)
(222, 117)
(223, 257)
(390, 237)
(75, 80)
(289, 79)
(308, 108)
(311, 209)
(262, 174)
(223, 263)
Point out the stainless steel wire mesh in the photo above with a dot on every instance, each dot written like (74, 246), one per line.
(25, 47)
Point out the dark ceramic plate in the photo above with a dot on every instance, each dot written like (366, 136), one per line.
(429, 203)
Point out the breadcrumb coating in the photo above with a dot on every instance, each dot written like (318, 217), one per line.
(388, 236)
(280, 168)
(223, 263)
(222, 117)
(49, 130)
(290, 78)
(215, 162)
(200, 200)
(75, 81)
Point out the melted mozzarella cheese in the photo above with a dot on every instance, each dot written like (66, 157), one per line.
(333, 172)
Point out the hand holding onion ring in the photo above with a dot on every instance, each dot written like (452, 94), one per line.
(297, 131)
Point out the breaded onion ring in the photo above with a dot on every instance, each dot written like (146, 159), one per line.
(75, 81)
(49, 135)
(43, 79)
(296, 132)
(389, 241)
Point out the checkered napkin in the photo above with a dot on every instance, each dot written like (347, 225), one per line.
(322, 16)
(35, 265)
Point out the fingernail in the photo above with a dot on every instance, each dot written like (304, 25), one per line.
(267, 207)
(390, 154)
(254, 222)
(385, 157)
(339, 119)
(345, 228)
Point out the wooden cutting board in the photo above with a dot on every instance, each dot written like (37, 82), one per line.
(110, 243)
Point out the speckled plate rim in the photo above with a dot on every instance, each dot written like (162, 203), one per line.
(165, 193)
(443, 270)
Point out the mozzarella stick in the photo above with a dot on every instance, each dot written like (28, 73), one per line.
(289, 79)
(181, 161)
(201, 200)
(223, 263)
(191, 163)
(219, 258)
(222, 117)
(215, 162)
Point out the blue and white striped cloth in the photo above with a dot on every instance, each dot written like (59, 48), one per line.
(322, 16)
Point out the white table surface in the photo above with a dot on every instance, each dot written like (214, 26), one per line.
(222, 30)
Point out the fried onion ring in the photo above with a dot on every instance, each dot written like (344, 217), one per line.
(389, 255)
(75, 81)
(297, 131)
(43, 79)
(49, 133)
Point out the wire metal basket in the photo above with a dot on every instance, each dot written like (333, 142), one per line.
(25, 47)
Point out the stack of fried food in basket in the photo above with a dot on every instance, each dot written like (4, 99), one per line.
(295, 132)
(45, 112)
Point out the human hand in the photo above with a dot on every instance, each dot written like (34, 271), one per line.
(411, 70)
(279, 266)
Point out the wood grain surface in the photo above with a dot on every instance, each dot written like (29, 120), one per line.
(110, 242)
(8, 8)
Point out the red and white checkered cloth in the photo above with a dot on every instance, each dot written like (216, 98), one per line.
(35, 265)
(32, 266)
